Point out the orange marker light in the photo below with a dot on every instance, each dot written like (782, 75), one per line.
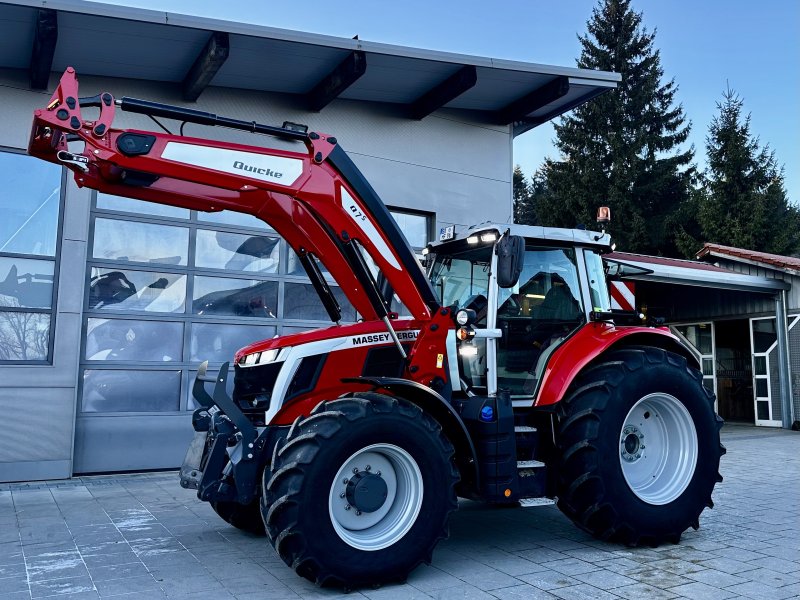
(507, 493)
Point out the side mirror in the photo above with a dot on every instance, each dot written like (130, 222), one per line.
(510, 259)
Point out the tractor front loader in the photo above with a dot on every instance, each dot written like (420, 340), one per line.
(510, 377)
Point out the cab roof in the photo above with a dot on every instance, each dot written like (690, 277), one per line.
(535, 233)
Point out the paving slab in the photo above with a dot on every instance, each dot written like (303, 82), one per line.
(142, 536)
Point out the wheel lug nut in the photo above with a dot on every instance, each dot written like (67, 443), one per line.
(368, 468)
(347, 507)
(355, 469)
(341, 495)
(358, 513)
(378, 473)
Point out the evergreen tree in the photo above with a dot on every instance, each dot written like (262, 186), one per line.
(528, 197)
(745, 204)
(522, 207)
(622, 149)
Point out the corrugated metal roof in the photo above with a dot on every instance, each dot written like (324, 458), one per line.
(692, 273)
(116, 41)
(789, 264)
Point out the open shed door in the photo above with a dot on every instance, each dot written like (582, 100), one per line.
(700, 339)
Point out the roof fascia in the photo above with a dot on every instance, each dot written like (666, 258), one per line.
(754, 263)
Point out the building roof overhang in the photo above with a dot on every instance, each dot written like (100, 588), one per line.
(693, 273)
(42, 36)
(787, 264)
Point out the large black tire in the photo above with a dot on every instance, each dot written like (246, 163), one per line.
(642, 394)
(246, 517)
(301, 493)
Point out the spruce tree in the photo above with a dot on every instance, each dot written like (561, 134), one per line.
(622, 149)
(522, 208)
(528, 196)
(745, 204)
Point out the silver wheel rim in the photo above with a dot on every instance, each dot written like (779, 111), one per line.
(383, 527)
(658, 449)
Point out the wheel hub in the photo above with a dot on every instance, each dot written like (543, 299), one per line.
(366, 492)
(632, 443)
(375, 497)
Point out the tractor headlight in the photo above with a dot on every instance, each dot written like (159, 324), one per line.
(465, 316)
(260, 358)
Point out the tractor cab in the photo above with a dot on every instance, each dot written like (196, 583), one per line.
(524, 291)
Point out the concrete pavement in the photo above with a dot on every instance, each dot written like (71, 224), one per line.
(143, 536)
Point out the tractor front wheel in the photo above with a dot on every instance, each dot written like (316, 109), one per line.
(246, 517)
(360, 491)
(639, 448)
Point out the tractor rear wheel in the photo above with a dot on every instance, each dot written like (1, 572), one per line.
(360, 491)
(246, 517)
(639, 448)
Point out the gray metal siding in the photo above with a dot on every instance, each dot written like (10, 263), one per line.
(775, 385)
(679, 303)
(794, 361)
(793, 295)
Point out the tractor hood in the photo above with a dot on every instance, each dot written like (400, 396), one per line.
(369, 332)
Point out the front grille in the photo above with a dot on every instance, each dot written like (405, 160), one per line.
(252, 386)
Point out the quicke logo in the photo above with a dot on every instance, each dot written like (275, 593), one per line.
(268, 172)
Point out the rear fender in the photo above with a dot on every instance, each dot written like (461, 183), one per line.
(591, 342)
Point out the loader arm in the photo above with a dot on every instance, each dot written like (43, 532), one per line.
(316, 199)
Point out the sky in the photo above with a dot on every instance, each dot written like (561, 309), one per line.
(753, 47)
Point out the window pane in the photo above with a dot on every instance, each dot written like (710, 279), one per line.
(763, 411)
(708, 366)
(128, 340)
(764, 334)
(29, 202)
(229, 217)
(237, 252)
(24, 336)
(761, 365)
(698, 336)
(26, 283)
(294, 267)
(762, 389)
(302, 302)
(216, 342)
(191, 403)
(106, 390)
(139, 207)
(140, 242)
(235, 297)
(414, 227)
(118, 289)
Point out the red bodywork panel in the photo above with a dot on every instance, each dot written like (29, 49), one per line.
(344, 363)
(327, 333)
(589, 342)
(317, 212)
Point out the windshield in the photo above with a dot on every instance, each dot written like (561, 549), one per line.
(462, 279)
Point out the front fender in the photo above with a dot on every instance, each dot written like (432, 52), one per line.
(590, 342)
(441, 410)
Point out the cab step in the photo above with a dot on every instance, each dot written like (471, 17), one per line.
(524, 429)
(530, 502)
(530, 464)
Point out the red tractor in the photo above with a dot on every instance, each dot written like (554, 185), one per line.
(500, 374)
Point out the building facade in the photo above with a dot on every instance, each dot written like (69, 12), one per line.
(739, 311)
(108, 305)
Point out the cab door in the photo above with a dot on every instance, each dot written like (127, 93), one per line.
(535, 316)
